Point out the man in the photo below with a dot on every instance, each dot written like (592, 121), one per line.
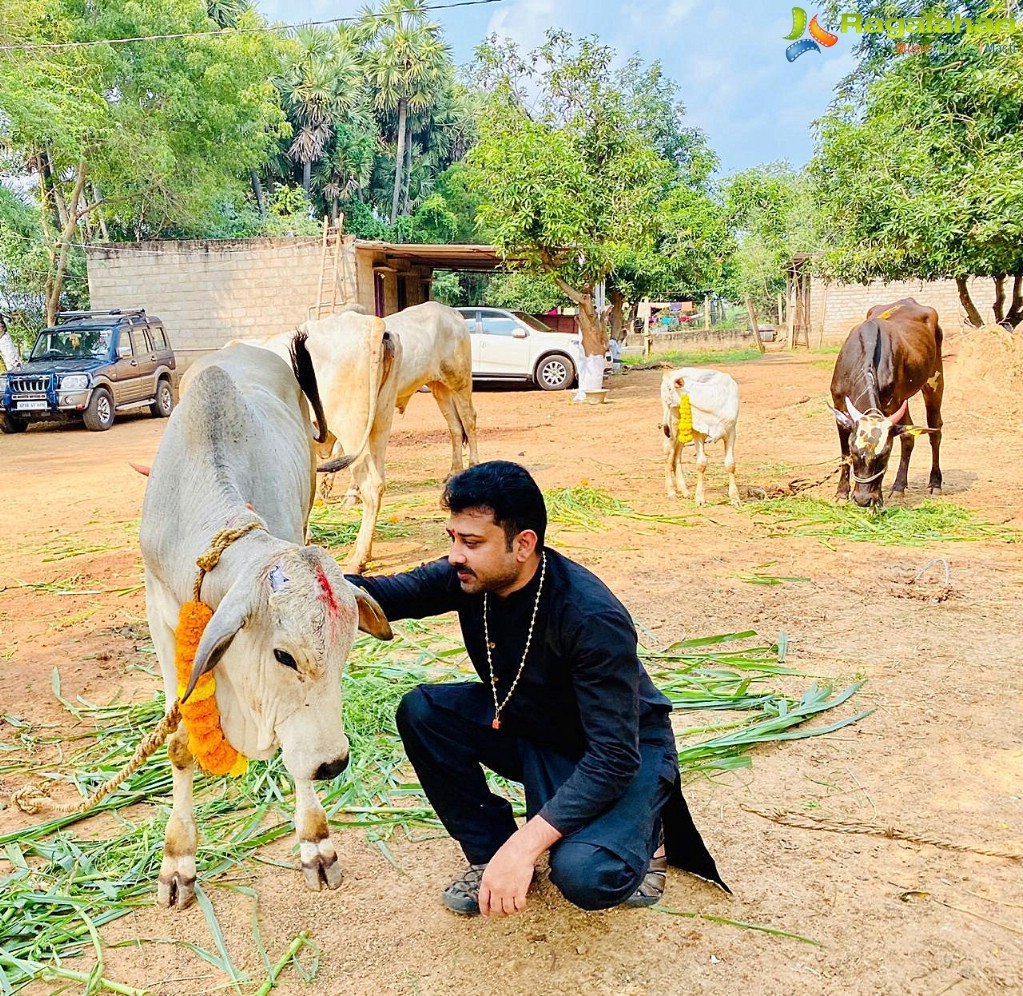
(565, 707)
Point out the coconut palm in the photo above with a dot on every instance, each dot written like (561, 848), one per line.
(407, 63)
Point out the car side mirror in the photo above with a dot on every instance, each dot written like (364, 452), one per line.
(520, 334)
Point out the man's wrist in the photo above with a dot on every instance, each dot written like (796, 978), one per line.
(533, 838)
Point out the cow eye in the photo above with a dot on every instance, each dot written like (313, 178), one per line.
(283, 657)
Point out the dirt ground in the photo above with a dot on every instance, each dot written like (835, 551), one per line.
(940, 756)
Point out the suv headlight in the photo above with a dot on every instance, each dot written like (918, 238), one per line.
(74, 382)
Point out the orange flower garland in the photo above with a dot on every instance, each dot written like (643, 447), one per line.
(201, 717)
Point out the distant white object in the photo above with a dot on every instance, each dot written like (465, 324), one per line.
(591, 376)
(714, 400)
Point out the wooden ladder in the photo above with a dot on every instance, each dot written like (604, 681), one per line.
(332, 284)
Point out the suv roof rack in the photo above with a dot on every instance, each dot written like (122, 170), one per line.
(126, 312)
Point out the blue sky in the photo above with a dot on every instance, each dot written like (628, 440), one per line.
(729, 59)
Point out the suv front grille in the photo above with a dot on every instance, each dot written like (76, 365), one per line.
(29, 385)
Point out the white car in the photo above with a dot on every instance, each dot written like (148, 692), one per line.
(511, 345)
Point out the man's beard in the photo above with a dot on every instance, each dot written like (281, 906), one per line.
(474, 585)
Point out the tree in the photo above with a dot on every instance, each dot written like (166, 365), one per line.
(569, 176)
(770, 213)
(408, 63)
(924, 178)
(321, 83)
(142, 135)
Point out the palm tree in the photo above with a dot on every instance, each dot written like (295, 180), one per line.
(322, 81)
(407, 63)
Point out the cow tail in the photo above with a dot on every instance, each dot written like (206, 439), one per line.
(305, 374)
(380, 366)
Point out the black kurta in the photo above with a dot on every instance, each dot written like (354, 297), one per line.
(583, 691)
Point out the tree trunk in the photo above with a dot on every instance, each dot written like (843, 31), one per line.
(706, 313)
(617, 314)
(399, 157)
(96, 198)
(594, 334)
(257, 190)
(55, 280)
(1015, 315)
(999, 304)
(753, 323)
(407, 185)
(972, 314)
(8, 347)
(52, 185)
(307, 175)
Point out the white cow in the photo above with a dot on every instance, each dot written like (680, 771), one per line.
(238, 448)
(437, 351)
(714, 399)
(356, 362)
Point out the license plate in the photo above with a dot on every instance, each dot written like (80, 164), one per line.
(31, 406)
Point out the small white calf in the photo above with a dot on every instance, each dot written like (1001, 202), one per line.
(714, 399)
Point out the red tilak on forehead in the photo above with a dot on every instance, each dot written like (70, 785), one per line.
(328, 595)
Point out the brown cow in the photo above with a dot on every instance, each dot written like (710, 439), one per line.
(882, 364)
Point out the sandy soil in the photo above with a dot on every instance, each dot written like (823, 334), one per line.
(940, 756)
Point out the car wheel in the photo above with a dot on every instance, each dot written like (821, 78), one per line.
(10, 425)
(555, 373)
(164, 403)
(99, 416)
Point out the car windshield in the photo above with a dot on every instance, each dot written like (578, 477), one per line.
(71, 344)
(533, 323)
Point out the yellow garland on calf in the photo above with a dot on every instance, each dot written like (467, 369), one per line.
(206, 740)
(685, 418)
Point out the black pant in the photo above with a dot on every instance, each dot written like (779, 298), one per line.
(447, 735)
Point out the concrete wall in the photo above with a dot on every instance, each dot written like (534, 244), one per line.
(210, 291)
(847, 304)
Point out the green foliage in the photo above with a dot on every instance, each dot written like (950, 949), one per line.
(919, 168)
(523, 292)
(770, 212)
(574, 161)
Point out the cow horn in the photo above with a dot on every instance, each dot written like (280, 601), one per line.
(140, 467)
(854, 413)
(229, 618)
(897, 417)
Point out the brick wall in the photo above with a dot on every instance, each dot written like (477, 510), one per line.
(847, 304)
(210, 291)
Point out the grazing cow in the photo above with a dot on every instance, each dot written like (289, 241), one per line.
(882, 364)
(714, 400)
(356, 362)
(239, 449)
(436, 350)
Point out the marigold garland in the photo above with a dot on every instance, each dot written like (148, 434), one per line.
(206, 740)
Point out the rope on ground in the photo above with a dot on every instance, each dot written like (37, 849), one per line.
(836, 824)
(31, 799)
(793, 487)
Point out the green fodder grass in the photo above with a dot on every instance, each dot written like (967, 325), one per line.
(693, 357)
(58, 889)
(587, 507)
(934, 520)
(334, 528)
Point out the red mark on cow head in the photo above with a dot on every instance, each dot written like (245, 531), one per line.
(326, 592)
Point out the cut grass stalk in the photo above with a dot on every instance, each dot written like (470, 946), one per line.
(711, 918)
(934, 520)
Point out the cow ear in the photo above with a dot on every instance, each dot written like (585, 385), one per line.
(229, 618)
(842, 419)
(912, 430)
(371, 617)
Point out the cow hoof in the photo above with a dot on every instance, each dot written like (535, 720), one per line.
(735, 501)
(175, 891)
(320, 866)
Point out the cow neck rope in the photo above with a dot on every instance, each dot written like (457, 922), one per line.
(200, 714)
(496, 721)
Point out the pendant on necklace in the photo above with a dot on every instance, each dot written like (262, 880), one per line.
(495, 723)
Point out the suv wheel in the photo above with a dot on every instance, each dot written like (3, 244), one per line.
(555, 373)
(10, 425)
(99, 416)
(164, 403)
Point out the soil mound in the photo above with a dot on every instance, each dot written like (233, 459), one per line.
(986, 363)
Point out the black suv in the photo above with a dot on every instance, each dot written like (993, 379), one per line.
(89, 365)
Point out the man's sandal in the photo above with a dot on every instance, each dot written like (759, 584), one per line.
(651, 889)
(463, 892)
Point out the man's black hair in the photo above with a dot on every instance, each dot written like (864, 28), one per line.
(504, 488)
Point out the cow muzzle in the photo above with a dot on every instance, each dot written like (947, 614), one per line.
(331, 769)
